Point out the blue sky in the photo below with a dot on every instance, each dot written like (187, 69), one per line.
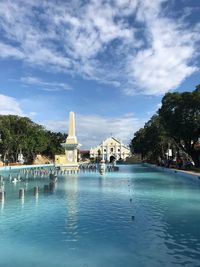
(108, 61)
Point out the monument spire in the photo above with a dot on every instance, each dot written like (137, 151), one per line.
(72, 124)
(71, 138)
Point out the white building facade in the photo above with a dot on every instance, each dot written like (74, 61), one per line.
(110, 149)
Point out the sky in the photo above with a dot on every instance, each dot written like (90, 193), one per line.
(109, 61)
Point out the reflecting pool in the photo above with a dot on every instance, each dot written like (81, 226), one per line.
(135, 217)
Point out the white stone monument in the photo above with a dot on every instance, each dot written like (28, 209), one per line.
(69, 160)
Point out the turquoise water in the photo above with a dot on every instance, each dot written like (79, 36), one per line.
(87, 221)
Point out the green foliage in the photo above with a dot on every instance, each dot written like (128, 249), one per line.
(180, 115)
(54, 144)
(20, 134)
(198, 88)
(133, 159)
(151, 141)
(177, 123)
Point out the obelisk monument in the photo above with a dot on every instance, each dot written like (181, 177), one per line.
(71, 143)
(69, 160)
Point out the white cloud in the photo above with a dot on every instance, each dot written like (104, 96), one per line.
(44, 85)
(10, 106)
(167, 61)
(10, 51)
(92, 129)
(101, 40)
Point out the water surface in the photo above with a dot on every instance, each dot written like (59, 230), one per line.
(87, 221)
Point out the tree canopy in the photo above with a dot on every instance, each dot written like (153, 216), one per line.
(20, 134)
(177, 122)
(151, 141)
(180, 116)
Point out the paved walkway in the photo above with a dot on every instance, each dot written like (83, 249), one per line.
(195, 172)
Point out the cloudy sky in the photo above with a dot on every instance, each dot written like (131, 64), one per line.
(109, 61)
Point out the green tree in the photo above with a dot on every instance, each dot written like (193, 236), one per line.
(198, 88)
(151, 141)
(54, 144)
(180, 116)
(20, 134)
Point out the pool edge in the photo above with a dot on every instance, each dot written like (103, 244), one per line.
(174, 171)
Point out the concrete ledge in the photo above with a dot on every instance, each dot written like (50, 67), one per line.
(193, 176)
(7, 168)
(68, 167)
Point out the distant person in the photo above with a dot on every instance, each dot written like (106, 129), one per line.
(169, 161)
(180, 163)
(188, 164)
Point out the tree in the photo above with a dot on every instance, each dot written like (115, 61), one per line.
(138, 143)
(20, 134)
(54, 144)
(180, 116)
(197, 88)
(151, 141)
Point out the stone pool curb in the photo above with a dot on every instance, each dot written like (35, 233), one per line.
(7, 168)
(175, 172)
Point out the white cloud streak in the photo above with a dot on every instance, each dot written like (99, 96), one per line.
(10, 51)
(101, 40)
(44, 85)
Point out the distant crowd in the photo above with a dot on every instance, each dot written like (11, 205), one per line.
(180, 163)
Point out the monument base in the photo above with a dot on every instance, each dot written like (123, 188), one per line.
(68, 167)
(64, 164)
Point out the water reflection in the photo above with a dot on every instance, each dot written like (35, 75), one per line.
(102, 180)
(36, 199)
(71, 204)
(53, 187)
(22, 202)
(2, 204)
